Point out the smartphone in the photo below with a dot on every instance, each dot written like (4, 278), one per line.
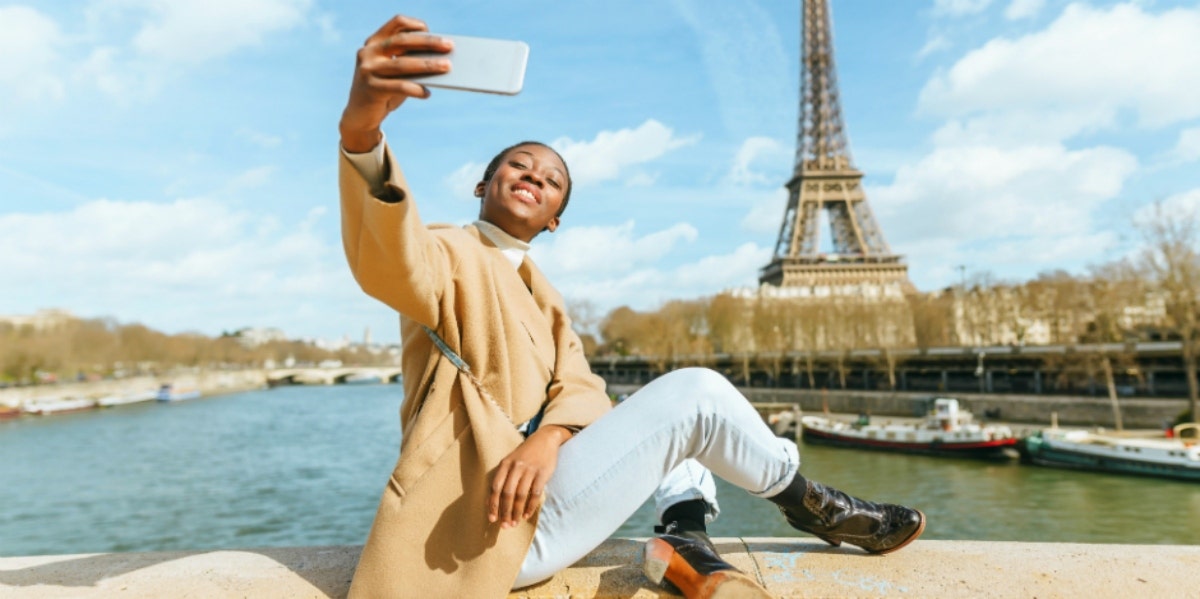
(480, 64)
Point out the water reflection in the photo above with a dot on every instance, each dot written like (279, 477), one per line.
(306, 465)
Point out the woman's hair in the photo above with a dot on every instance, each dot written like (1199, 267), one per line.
(495, 164)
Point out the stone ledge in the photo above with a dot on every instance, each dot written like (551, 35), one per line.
(789, 567)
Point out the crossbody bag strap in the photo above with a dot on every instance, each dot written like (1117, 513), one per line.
(526, 428)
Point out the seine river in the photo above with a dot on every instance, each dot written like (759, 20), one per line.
(306, 465)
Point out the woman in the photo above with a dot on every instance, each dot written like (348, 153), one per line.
(512, 464)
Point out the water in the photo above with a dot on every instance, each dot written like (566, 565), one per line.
(306, 466)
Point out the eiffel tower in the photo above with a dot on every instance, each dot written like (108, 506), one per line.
(824, 179)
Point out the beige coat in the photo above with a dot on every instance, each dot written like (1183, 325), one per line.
(431, 537)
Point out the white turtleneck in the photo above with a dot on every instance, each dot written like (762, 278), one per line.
(370, 165)
(514, 249)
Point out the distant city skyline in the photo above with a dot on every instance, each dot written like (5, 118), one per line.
(174, 164)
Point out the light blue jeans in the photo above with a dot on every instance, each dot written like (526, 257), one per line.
(663, 440)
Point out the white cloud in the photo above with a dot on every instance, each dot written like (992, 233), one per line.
(649, 286)
(590, 251)
(250, 179)
(327, 25)
(1016, 127)
(1023, 9)
(641, 179)
(193, 32)
(1187, 149)
(260, 139)
(766, 212)
(1185, 205)
(192, 260)
(129, 49)
(959, 8)
(715, 273)
(752, 150)
(605, 157)
(1079, 63)
(29, 44)
(462, 181)
(744, 55)
(992, 201)
(934, 44)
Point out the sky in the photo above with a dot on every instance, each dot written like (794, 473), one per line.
(173, 162)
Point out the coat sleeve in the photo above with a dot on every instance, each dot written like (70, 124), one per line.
(576, 397)
(394, 258)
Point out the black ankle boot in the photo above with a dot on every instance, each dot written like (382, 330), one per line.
(836, 517)
(683, 559)
(691, 566)
(686, 520)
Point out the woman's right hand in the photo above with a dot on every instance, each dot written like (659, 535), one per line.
(381, 81)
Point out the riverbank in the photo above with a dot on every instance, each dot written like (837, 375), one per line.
(1079, 411)
(208, 383)
(788, 567)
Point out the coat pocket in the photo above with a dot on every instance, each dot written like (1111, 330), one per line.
(416, 459)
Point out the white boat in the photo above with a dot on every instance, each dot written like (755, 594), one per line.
(1177, 456)
(121, 400)
(59, 405)
(947, 431)
(170, 393)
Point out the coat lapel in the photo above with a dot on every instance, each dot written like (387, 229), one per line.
(520, 300)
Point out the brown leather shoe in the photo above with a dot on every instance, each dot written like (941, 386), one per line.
(696, 570)
(836, 517)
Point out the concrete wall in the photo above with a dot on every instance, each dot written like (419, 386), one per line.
(1031, 409)
(1076, 411)
(788, 567)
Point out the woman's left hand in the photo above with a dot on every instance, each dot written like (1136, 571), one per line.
(520, 481)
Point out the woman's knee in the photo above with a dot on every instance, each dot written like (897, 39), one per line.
(703, 386)
(702, 380)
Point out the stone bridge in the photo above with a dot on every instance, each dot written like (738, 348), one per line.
(332, 376)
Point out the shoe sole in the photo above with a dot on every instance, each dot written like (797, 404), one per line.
(911, 538)
(659, 558)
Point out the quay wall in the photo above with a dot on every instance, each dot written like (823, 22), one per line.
(787, 567)
(1027, 409)
(208, 382)
(1085, 411)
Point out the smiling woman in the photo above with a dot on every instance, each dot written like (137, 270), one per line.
(512, 466)
(524, 186)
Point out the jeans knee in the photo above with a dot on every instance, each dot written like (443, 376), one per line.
(702, 385)
(698, 378)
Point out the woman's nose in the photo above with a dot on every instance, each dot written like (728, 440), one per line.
(532, 178)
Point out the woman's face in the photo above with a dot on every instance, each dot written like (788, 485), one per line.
(525, 194)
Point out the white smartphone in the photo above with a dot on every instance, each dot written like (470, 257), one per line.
(482, 65)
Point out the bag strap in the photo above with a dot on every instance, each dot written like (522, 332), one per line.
(449, 353)
(526, 428)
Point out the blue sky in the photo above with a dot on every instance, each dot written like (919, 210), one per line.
(172, 162)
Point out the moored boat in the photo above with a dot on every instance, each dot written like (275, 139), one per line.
(9, 412)
(59, 405)
(170, 393)
(1175, 457)
(129, 398)
(948, 431)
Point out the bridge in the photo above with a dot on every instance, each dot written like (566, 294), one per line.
(332, 376)
(1140, 369)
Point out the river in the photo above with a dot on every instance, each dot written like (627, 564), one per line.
(306, 465)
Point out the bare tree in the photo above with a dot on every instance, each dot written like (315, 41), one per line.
(1171, 258)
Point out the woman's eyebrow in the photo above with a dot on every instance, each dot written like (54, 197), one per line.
(530, 154)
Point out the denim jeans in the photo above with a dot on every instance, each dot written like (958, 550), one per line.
(663, 441)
